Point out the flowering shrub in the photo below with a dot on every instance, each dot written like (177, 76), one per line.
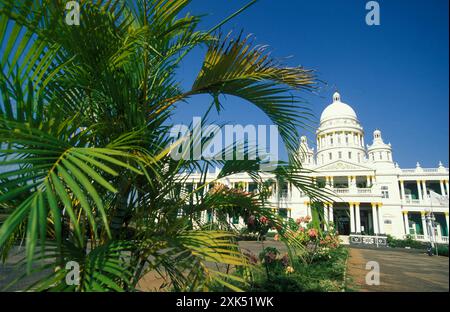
(259, 225)
(274, 263)
(282, 274)
(317, 242)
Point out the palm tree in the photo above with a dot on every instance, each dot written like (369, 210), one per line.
(86, 173)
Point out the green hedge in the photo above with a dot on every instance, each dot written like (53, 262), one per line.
(442, 250)
(411, 243)
(408, 242)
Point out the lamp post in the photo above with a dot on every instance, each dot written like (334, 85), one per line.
(430, 219)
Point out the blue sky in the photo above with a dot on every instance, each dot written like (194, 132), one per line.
(395, 75)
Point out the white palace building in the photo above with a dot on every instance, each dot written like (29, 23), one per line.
(373, 195)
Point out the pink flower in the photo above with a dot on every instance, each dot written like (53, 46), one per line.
(312, 233)
(276, 237)
(251, 220)
(300, 220)
(307, 219)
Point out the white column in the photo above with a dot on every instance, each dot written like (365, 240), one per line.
(331, 181)
(419, 189)
(424, 224)
(406, 222)
(352, 218)
(424, 189)
(330, 213)
(358, 218)
(380, 224)
(446, 222)
(352, 182)
(446, 187)
(441, 184)
(325, 214)
(368, 181)
(402, 189)
(375, 218)
(308, 209)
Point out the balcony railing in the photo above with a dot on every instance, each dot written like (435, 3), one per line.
(412, 201)
(428, 170)
(347, 190)
(341, 190)
(423, 238)
(426, 201)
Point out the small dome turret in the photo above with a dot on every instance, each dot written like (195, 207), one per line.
(379, 151)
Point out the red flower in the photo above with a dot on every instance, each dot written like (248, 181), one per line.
(263, 220)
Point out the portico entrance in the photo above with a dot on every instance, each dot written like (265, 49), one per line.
(361, 218)
(342, 222)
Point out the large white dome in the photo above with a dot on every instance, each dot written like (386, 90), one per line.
(337, 109)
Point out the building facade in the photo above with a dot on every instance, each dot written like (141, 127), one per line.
(372, 195)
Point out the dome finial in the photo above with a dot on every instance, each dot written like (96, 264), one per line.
(336, 97)
(377, 134)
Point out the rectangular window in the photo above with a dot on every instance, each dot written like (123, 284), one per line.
(209, 217)
(252, 187)
(384, 192)
(349, 155)
(330, 155)
(283, 213)
(340, 155)
(284, 190)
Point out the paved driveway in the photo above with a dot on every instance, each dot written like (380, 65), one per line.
(400, 270)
